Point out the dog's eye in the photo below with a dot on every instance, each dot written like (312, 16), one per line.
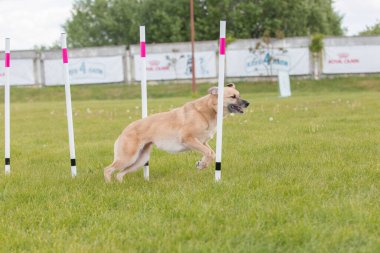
(234, 96)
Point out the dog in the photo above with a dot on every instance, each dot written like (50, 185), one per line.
(189, 127)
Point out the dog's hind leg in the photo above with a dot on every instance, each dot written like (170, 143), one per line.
(126, 154)
(115, 165)
(141, 160)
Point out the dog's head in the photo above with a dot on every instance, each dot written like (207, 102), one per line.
(232, 101)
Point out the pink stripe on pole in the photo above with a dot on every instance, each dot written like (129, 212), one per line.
(7, 60)
(142, 49)
(222, 46)
(65, 57)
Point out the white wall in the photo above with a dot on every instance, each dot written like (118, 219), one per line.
(171, 61)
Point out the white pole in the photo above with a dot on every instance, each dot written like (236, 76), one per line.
(69, 112)
(219, 127)
(7, 107)
(144, 99)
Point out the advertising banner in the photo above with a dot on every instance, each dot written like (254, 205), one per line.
(267, 62)
(85, 70)
(352, 59)
(21, 72)
(172, 66)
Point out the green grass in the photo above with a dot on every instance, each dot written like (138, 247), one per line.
(121, 91)
(299, 174)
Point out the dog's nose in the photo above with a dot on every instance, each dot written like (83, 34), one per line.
(245, 103)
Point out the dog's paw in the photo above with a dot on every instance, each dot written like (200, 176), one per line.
(201, 165)
(119, 178)
(107, 178)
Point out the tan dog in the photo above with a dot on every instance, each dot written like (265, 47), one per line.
(189, 127)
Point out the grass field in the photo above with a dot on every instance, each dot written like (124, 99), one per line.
(300, 174)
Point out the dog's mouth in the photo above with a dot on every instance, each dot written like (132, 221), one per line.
(233, 108)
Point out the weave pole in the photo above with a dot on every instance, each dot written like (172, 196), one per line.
(7, 139)
(69, 112)
(144, 99)
(219, 126)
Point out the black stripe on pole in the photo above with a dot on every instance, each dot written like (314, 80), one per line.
(147, 163)
(73, 162)
(218, 166)
(7, 161)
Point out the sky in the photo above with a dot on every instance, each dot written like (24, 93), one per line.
(357, 14)
(32, 23)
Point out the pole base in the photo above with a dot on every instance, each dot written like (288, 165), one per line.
(73, 171)
(7, 169)
(218, 175)
(146, 173)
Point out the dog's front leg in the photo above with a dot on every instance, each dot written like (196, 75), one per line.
(205, 149)
(206, 160)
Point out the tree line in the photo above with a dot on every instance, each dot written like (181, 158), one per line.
(116, 22)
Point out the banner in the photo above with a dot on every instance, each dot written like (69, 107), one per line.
(351, 59)
(267, 62)
(21, 72)
(85, 70)
(176, 66)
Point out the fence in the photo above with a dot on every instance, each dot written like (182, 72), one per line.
(172, 61)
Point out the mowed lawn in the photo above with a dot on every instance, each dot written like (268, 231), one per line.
(300, 174)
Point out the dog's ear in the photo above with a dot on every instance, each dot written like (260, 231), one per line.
(232, 85)
(213, 90)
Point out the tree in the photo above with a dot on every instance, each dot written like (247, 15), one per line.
(115, 22)
(102, 22)
(371, 30)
